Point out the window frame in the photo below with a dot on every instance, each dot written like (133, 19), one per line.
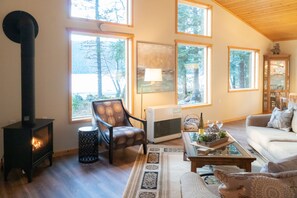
(130, 16)
(208, 22)
(256, 61)
(208, 66)
(129, 59)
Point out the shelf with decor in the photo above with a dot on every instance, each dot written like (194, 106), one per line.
(276, 80)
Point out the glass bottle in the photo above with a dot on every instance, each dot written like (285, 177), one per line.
(201, 125)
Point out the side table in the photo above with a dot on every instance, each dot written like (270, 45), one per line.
(87, 144)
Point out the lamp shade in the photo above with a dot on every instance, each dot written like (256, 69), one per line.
(152, 74)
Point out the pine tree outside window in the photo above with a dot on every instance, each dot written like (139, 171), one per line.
(243, 69)
(99, 70)
(193, 70)
(193, 18)
(112, 11)
(99, 63)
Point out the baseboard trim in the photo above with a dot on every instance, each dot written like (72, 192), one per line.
(239, 118)
(235, 119)
(66, 152)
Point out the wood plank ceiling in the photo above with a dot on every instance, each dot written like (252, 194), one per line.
(276, 19)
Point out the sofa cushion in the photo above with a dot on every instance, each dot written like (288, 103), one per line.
(282, 149)
(273, 143)
(264, 135)
(286, 164)
(257, 184)
(281, 119)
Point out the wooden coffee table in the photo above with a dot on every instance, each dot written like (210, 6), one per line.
(231, 154)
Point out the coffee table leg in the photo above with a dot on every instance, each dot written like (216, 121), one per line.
(248, 167)
(193, 167)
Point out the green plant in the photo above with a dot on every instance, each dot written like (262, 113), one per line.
(222, 134)
(207, 137)
(212, 136)
(203, 138)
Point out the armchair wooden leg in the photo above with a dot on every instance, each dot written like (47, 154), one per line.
(144, 148)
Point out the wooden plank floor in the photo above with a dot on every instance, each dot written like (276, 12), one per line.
(69, 178)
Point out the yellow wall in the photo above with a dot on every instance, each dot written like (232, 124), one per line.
(154, 22)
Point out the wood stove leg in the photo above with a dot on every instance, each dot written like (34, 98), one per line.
(51, 160)
(29, 175)
(5, 174)
(6, 171)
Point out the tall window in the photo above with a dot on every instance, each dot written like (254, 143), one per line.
(114, 11)
(193, 18)
(99, 69)
(193, 73)
(243, 68)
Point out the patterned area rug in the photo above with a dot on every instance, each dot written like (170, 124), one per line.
(158, 173)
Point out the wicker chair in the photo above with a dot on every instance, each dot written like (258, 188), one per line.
(113, 120)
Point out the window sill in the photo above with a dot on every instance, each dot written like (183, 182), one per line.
(242, 90)
(80, 120)
(191, 106)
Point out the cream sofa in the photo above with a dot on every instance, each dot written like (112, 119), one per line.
(274, 144)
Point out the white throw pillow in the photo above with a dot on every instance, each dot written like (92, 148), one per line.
(281, 119)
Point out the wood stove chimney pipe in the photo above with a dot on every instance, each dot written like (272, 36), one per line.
(21, 27)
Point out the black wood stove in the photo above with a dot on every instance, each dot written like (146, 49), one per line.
(26, 147)
(29, 142)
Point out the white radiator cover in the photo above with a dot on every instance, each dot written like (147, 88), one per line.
(163, 123)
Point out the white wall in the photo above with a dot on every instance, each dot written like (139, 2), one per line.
(154, 22)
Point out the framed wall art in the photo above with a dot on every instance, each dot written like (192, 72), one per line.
(155, 67)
